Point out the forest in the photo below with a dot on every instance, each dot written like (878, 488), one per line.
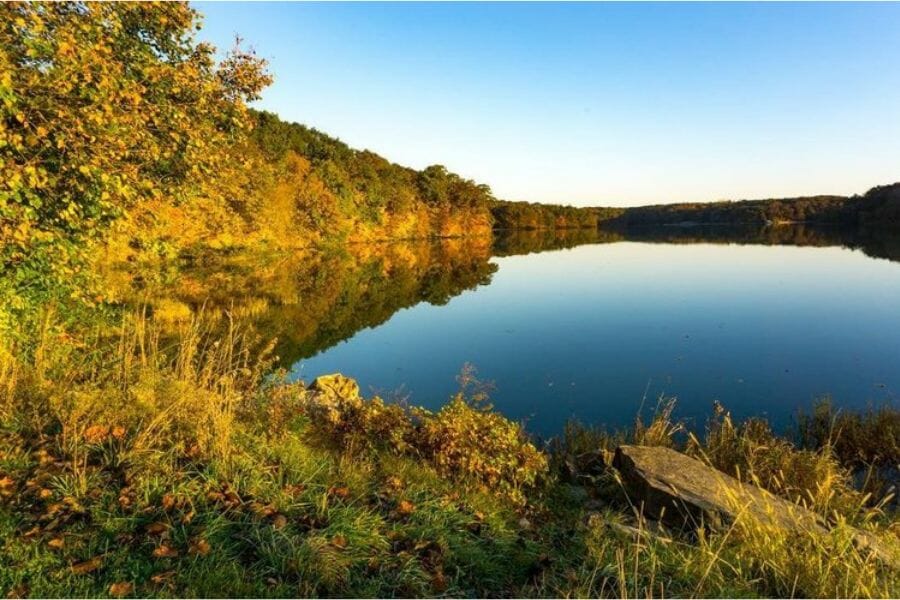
(879, 207)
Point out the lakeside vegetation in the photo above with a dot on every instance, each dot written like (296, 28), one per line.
(184, 471)
(150, 446)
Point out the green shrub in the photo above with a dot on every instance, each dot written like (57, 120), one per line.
(475, 443)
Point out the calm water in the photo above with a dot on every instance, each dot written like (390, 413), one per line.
(590, 331)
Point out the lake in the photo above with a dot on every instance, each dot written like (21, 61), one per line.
(591, 325)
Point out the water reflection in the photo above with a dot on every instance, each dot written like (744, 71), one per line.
(738, 314)
(312, 301)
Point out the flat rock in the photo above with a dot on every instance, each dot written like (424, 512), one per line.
(681, 491)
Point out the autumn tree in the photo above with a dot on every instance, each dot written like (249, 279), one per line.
(103, 107)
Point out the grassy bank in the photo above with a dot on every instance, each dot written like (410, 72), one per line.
(129, 466)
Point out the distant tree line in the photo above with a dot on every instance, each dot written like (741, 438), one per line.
(879, 206)
(533, 215)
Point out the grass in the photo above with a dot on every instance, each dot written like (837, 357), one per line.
(139, 466)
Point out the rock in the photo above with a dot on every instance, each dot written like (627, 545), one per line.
(683, 492)
(333, 398)
(336, 385)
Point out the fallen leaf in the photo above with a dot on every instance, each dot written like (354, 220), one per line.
(294, 490)
(44, 493)
(406, 508)
(340, 492)
(339, 541)
(120, 589)
(279, 522)
(118, 432)
(168, 502)
(262, 510)
(200, 547)
(164, 551)
(125, 497)
(157, 528)
(56, 544)
(88, 566)
(162, 577)
(439, 581)
(7, 486)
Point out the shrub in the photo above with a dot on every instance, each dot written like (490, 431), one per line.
(857, 439)
(475, 443)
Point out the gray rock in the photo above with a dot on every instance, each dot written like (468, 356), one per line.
(683, 492)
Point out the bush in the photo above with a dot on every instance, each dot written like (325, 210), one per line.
(857, 439)
(471, 442)
(465, 440)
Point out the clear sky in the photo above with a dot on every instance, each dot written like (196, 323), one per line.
(587, 104)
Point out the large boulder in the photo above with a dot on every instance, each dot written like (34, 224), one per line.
(683, 492)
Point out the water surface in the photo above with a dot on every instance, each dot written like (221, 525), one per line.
(597, 331)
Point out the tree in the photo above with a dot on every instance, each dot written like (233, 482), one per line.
(103, 107)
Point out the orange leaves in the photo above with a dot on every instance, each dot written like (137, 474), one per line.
(164, 551)
(439, 580)
(405, 508)
(339, 542)
(199, 547)
(294, 490)
(168, 502)
(225, 496)
(7, 486)
(262, 510)
(164, 577)
(120, 589)
(88, 566)
(157, 528)
(339, 492)
(56, 544)
(126, 497)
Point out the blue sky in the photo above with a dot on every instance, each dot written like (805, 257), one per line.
(587, 104)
